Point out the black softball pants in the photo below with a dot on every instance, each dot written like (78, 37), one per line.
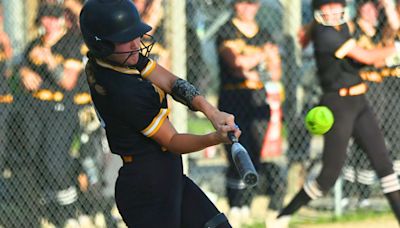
(153, 192)
(353, 117)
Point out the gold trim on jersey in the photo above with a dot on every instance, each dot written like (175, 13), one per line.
(124, 70)
(240, 46)
(151, 65)
(376, 74)
(84, 50)
(48, 95)
(6, 98)
(156, 123)
(353, 90)
(248, 84)
(371, 76)
(82, 98)
(343, 50)
(236, 44)
(160, 92)
(73, 63)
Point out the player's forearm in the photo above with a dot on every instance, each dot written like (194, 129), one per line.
(371, 57)
(380, 55)
(247, 62)
(202, 105)
(69, 78)
(187, 143)
(391, 14)
(239, 61)
(186, 93)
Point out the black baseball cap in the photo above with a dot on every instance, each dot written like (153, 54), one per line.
(51, 10)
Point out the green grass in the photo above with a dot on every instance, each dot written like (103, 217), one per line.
(198, 125)
(356, 216)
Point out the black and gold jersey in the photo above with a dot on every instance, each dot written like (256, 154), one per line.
(365, 40)
(130, 109)
(371, 73)
(66, 51)
(229, 36)
(331, 45)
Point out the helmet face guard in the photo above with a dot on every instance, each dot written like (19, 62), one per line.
(341, 16)
(145, 49)
(320, 17)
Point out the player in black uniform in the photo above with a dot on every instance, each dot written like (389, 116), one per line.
(368, 32)
(338, 60)
(248, 58)
(49, 72)
(151, 190)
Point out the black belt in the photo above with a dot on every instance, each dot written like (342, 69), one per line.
(133, 158)
(129, 159)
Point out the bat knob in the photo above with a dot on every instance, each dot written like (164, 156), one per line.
(250, 179)
(232, 137)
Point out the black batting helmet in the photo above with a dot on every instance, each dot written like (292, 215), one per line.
(105, 22)
(316, 4)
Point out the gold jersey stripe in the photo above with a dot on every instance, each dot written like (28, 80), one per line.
(151, 65)
(124, 70)
(73, 63)
(345, 48)
(156, 123)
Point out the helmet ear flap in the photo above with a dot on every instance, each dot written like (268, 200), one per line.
(102, 48)
(97, 46)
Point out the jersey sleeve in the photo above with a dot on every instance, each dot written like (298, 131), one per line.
(329, 40)
(146, 109)
(226, 37)
(72, 56)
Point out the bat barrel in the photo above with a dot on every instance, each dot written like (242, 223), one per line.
(244, 165)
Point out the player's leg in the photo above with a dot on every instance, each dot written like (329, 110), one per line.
(148, 191)
(333, 155)
(197, 210)
(60, 169)
(367, 133)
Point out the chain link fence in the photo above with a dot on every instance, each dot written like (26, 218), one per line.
(57, 170)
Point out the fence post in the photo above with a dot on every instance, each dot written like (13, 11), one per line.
(292, 24)
(14, 23)
(338, 192)
(175, 33)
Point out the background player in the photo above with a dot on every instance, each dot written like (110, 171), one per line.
(338, 57)
(248, 58)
